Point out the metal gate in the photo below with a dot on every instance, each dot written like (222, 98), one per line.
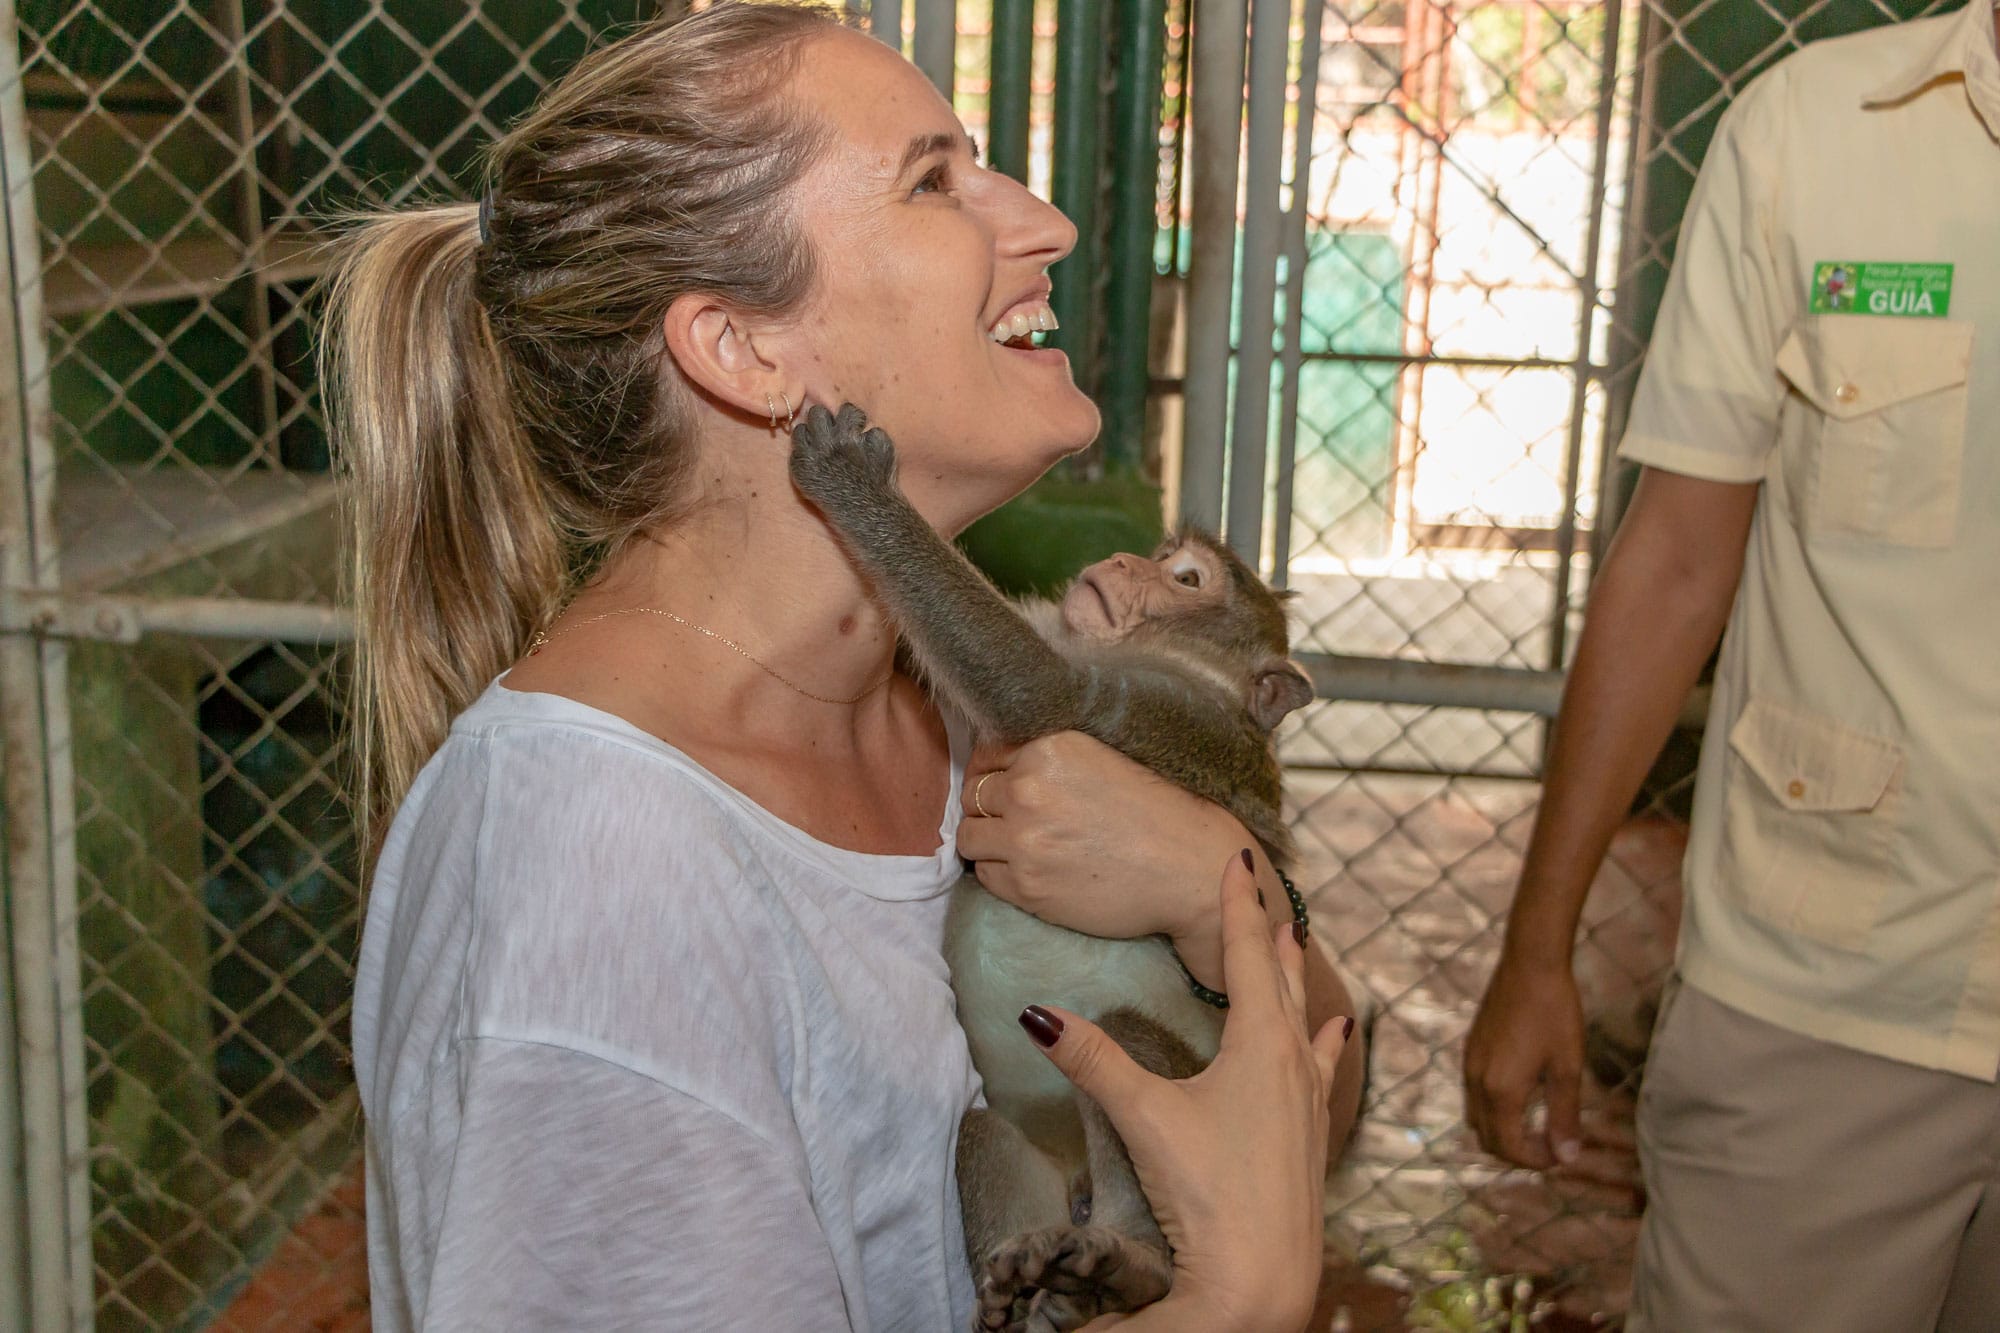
(180, 869)
(182, 903)
(1454, 220)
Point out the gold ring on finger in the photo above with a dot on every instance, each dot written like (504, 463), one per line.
(979, 786)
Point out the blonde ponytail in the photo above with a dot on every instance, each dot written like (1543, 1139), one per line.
(504, 406)
(455, 555)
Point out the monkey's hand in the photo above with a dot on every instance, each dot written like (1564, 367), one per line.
(840, 462)
(970, 643)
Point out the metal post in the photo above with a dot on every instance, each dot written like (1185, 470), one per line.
(1012, 85)
(1134, 224)
(112, 619)
(1587, 299)
(1626, 341)
(1250, 436)
(1216, 123)
(250, 229)
(885, 21)
(1177, 257)
(1428, 27)
(935, 44)
(1077, 180)
(1295, 292)
(51, 1226)
(1398, 680)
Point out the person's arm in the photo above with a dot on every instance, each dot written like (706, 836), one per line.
(1232, 1159)
(1077, 834)
(580, 1194)
(1657, 608)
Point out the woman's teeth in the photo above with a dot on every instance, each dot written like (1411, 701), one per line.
(1023, 322)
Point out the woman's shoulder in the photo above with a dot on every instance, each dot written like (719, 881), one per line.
(529, 764)
(596, 873)
(553, 774)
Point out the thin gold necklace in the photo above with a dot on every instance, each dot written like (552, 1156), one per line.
(543, 636)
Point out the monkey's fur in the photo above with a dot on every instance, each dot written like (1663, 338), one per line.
(1187, 680)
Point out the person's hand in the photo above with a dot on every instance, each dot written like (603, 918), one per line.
(1233, 1160)
(1069, 830)
(1528, 1035)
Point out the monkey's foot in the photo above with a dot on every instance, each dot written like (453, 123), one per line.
(840, 457)
(1061, 1278)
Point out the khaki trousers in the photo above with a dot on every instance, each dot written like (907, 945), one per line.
(1795, 1186)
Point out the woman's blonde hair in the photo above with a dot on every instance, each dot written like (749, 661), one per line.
(504, 409)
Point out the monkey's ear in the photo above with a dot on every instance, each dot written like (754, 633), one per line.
(1280, 687)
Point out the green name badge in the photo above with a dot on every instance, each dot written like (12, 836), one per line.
(1922, 291)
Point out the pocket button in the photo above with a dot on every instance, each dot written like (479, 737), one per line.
(1847, 392)
(1796, 788)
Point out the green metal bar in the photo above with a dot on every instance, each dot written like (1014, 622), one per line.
(1215, 130)
(1013, 82)
(1078, 143)
(934, 46)
(885, 21)
(1134, 223)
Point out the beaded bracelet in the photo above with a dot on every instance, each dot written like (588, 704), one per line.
(1216, 998)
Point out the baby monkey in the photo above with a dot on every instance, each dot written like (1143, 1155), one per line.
(1179, 662)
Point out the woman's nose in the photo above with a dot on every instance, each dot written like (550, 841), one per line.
(1029, 228)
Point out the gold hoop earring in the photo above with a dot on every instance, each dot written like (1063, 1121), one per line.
(790, 422)
(771, 408)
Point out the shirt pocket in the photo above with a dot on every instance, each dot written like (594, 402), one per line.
(1884, 438)
(1810, 821)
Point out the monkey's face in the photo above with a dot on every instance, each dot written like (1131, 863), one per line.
(1190, 585)
(1115, 597)
(1196, 593)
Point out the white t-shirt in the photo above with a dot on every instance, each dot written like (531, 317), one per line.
(635, 1053)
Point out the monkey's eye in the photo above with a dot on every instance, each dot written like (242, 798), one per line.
(1188, 576)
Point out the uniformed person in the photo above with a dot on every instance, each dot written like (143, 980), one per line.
(1820, 1122)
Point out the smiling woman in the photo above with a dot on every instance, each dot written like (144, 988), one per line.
(652, 1025)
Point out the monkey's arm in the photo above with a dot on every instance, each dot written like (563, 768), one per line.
(969, 641)
(1193, 737)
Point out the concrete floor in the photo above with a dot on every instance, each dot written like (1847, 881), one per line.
(1408, 879)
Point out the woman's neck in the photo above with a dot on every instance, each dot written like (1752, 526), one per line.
(773, 667)
(741, 624)
(785, 691)
(770, 578)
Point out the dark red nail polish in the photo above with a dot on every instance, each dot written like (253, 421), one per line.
(1249, 862)
(1042, 1025)
(1347, 1027)
(1299, 933)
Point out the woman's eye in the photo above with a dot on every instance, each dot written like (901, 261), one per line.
(934, 180)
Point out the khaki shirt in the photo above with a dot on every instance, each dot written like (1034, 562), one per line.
(1843, 877)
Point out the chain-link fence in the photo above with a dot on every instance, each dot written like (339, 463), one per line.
(1490, 199)
(1491, 191)
(167, 166)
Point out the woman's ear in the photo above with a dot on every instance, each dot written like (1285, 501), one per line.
(719, 354)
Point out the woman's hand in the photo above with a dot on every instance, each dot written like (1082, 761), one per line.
(1069, 830)
(1232, 1160)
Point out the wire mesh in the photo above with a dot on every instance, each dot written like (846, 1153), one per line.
(184, 160)
(1460, 372)
(1462, 366)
